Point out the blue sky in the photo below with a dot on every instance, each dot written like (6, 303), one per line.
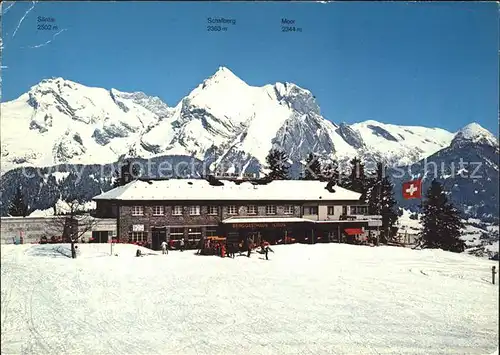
(430, 64)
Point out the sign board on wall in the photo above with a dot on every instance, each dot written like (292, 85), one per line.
(259, 225)
(138, 228)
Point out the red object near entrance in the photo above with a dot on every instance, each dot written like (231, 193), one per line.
(353, 231)
(412, 189)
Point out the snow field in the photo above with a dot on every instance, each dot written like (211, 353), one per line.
(308, 299)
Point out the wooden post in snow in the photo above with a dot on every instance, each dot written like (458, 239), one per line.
(493, 272)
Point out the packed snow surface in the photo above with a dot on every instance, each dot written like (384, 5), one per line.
(308, 299)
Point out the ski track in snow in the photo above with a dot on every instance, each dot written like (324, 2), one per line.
(321, 299)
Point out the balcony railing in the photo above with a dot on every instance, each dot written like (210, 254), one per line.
(366, 216)
(352, 217)
(344, 217)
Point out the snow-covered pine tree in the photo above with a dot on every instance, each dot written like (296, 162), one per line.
(312, 170)
(441, 221)
(18, 207)
(277, 163)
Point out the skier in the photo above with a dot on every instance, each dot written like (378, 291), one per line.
(249, 249)
(201, 245)
(264, 247)
(181, 243)
(164, 249)
(248, 246)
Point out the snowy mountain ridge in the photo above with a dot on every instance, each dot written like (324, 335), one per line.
(474, 133)
(223, 121)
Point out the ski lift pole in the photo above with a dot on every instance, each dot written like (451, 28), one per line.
(493, 272)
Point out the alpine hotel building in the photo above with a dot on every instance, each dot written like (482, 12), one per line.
(277, 211)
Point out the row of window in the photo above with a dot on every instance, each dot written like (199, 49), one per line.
(251, 210)
(212, 210)
(193, 233)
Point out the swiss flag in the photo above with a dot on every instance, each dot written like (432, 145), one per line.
(412, 189)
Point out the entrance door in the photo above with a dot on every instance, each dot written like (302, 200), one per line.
(255, 237)
(100, 236)
(158, 235)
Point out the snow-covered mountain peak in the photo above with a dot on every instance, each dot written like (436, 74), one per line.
(475, 133)
(223, 76)
(405, 144)
(61, 121)
(372, 122)
(151, 103)
(58, 85)
(297, 98)
(222, 119)
(287, 88)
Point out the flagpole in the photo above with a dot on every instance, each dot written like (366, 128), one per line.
(421, 196)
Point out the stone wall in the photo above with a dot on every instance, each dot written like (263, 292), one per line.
(33, 228)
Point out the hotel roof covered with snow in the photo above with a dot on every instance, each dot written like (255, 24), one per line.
(202, 190)
(172, 209)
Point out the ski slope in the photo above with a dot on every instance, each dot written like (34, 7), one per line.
(308, 299)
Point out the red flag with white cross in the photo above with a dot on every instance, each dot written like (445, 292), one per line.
(412, 189)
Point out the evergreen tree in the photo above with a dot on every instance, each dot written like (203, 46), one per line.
(374, 191)
(441, 221)
(277, 162)
(312, 170)
(451, 229)
(357, 181)
(128, 168)
(330, 172)
(388, 208)
(18, 207)
(381, 201)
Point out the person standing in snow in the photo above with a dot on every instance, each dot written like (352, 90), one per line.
(232, 247)
(181, 243)
(164, 249)
(200, 246)
(264, 246)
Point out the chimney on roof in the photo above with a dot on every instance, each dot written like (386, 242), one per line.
(330, 185)
(213, 181)
(264, 180)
